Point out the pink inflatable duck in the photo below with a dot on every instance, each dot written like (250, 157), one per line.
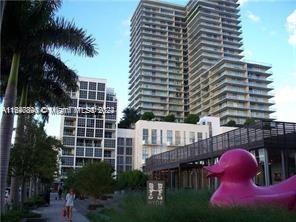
(235, 169)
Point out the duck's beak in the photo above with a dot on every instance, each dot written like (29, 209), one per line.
(215, 170)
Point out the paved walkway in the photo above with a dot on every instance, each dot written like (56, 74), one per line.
(53, 213)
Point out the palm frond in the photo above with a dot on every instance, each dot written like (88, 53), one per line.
(63, 34)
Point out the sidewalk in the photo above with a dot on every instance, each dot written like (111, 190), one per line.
(53, 213)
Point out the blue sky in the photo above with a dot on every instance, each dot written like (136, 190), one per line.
(269, 36)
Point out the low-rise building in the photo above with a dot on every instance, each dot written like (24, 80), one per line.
(125, 147)
(154, 137)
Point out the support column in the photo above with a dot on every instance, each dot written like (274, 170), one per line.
(266, 168)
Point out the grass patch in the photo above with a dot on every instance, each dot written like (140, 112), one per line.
(187, 206)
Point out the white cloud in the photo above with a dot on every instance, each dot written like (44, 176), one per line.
(285, 99)
(253, 17)
(291, 28)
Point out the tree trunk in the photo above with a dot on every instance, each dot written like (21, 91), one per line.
(30, 187)
(7, 122)
(19, 132)
(24, 190)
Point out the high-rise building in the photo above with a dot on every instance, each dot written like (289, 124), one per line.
(156, 59)
(202, 43)
(89, 130)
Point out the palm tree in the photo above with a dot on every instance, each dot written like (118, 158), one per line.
(44, 80)
(27, 25)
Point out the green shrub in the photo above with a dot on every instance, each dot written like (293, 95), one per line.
(34, 201)
(187, 206)
(132, 180)
(16, 215)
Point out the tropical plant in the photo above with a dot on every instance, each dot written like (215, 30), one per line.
(36, 156)
(132, 180)
(170, 118)
(94, 179)
(148, 116)
(130, 116)
(231, 123)
(249, 121)
(27, 25)
(191, 118)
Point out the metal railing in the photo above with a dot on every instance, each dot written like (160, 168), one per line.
(251, 137)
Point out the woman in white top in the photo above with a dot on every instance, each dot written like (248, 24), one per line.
(70, 197)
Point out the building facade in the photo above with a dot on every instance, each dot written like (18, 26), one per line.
(202, 43)
(89, 131)
(125, 147)
(272, 144)
(156, 77)
(154, 137)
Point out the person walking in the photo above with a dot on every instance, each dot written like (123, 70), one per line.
(69, 204)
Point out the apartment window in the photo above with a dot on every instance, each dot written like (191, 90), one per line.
(110, 161)
(109, 143)
(199, 136)
(120, 160)
(169, 137)
(119, 168)
(80, 142)
(97, 143)
(89, 152)
(129, 151)
(98, 152)
(79, 151)
(101, 87)
(69, 141)
(81, 122)
(99, 123)
(109, 125)
(129, 142)
(177, 138)
(155, 150)
(120, 150)
(108, 134)
(192, 137)
(110, 97)
(92, 85)
(83, 85)
(153, 136)
(90, 123)
(127, 168)
(110, 116)
(120, 141)
(89, 143)
(144, 153)
(68, 161)
(128, 160)
(111, 104)
(91, 95)
(99, 133)
(145, 136)
(100, 96)
(161, 137)
(107, 153)
(89, 132)
(82, 94)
